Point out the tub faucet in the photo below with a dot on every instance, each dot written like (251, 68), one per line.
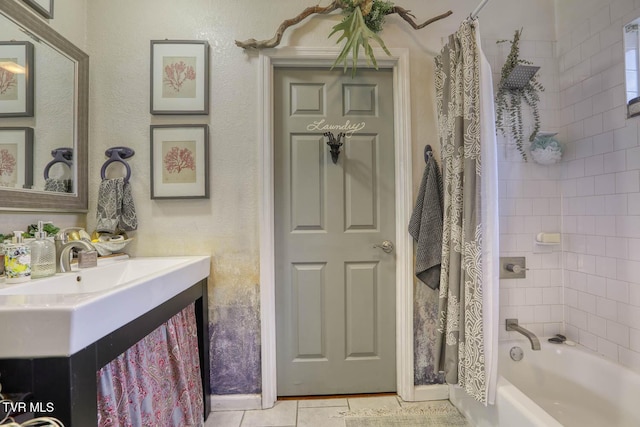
(512, 325)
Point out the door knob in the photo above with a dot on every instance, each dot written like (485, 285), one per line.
(386, 246)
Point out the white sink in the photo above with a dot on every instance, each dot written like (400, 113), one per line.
(62, 314)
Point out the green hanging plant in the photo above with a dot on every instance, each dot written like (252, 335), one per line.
(363, 20)
(509, 100)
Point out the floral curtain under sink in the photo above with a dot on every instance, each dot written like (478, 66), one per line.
(157, 381)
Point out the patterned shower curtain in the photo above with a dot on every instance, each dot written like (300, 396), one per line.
(460, 336)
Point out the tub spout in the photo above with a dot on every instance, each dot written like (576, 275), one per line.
(512, 325)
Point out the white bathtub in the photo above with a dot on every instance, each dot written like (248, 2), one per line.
(557, 386)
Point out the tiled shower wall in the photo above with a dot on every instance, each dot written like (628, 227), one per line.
(530, 201)
(600, 181)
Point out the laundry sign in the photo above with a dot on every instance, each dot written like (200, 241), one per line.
(347, 128)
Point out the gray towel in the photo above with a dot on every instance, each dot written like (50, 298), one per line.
(57, 185)
(116, 210)
(426, 225)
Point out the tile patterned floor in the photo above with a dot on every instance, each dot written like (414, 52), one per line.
(304, 413)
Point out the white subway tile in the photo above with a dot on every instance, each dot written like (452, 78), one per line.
(517, 296)
(634, 203)
(606, 225)
(616, 204)
(634, 249)
(614, 118)
(525, 314)
(606, 267)
(611, 35)
(600, 21)
(596, 285)
(613, 81)
(616, 247)
(603, 143)
(542, 313)
(606, 308)
(601, 61)
(621, 9)
(552, 295)
(550, 329)
(587, 302)
(634, 339)
(557, 313)
(571, 297)
(628, 182)
(628, 270)
(581, 72)
(618, 333)
(633, 158)
(618, 290)
(588, 340)
(577, 318)
(615, 161)
(590, 47)
(628, 314)
(626, 137)
(597, 325)
(593, 126)
(533, 296)
(604, 184)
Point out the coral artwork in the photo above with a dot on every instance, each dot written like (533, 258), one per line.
(7, 163)
(8, 81)
(179, 162)
(178, 159)
(179, 76)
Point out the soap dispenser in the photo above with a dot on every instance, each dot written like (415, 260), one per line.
(17, 260)
(43, 254)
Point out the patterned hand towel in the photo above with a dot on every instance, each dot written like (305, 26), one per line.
(426, 225)
(116, 210)
(57, 185)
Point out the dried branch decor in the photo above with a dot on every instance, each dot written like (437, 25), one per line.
(509, 99)
(362, 22)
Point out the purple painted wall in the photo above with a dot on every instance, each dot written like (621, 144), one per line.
(235, 350)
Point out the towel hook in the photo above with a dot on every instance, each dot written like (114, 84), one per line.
(428, 153)
(60, 155)
(118, 154)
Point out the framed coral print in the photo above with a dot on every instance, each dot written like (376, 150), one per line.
(16, 79)
(43, 7)
(179, 77)
(16, 157)
(179, 161)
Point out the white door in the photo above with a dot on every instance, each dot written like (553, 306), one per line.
(335, 290)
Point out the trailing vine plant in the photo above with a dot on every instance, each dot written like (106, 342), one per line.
(509, 119)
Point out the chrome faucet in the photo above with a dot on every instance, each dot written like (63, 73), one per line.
(64, 261)
(512, 325)
(64, 246)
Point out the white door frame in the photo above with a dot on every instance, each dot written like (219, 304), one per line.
(324, 57)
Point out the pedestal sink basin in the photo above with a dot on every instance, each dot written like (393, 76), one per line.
(62, 314)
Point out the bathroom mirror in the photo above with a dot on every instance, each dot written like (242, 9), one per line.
(631, 37)
(56, 132)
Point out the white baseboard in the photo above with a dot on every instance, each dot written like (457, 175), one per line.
(431, 392)
(236, 402)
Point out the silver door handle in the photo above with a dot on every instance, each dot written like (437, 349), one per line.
(386, 246)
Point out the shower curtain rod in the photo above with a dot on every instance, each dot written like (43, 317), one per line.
(478, 9)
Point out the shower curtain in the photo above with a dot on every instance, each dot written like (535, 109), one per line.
(467, 324)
